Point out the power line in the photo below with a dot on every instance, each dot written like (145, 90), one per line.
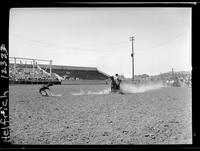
(61, 46)
(165, 42)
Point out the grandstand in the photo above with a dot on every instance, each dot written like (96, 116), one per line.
(78, 73)
(31, 71)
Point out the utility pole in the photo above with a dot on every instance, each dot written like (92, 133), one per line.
(132, 55)
(173, 77)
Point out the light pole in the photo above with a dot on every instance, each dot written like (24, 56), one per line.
(132, 38)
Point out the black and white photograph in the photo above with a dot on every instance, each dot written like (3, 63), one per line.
(100, 76)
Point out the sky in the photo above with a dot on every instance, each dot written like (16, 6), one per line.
(100, 37)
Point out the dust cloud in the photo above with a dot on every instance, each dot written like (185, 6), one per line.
(139, 88)
(125, 88)
(106, 91)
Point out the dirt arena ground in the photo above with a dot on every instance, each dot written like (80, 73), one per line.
(160, 116)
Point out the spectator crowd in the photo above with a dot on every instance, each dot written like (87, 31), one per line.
(24, 74)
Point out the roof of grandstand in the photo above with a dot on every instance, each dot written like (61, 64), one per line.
(64, 67)
(71, 67)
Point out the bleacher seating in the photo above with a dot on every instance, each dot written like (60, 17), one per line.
(80, 74)
(25, 72)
